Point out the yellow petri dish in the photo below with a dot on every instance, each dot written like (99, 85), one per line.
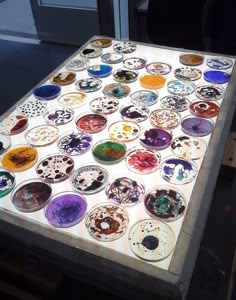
(152, 82)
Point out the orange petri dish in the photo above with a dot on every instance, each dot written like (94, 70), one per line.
(152, 82)
(19, 158)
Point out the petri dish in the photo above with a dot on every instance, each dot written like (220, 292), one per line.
(165, 118)
(99, 71)
(47, 92)
(117, 90)
(219, 63)
(188, 147)
(216, 76)
(142, 161)
(88, 85)
(188, 73)
(63, 78)
(91, 123)
(7, 182)
(152, 82)
(204, 109)
(134, 63)
(196, 126)
(164, 203)
(58, 116)
(112, 58)
(91, 52)
(125, 190)
(177, 170)
(109, 151)
(144, 97)
(77, 64)
(151, 240)
(41, 135)
(124, 47)
(174, 102)
(101, 42)
(55, 168)
(191, 59)
(72, 100)
(66, 209)
(104, 105)
(5, 143)
(155, 139)
(107, 222)
(134, 112)
(32, 108)
(19, 158)
(181, 88)
(31, 195)
(13, 124)
(158, 68)
(124, 131)
(209, 92)
(74, 142)
(89, 179)
(125, 76)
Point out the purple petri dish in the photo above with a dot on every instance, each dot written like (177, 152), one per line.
(155, 139)
(196, 126)
(66, 209)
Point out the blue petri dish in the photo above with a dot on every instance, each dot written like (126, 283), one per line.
(47, 92)
(99, 71)
(216, 76)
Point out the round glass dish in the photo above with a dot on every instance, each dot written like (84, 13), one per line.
(78, 64)
(151, 240)
(109, 151)
(165, 119)
(88, 85)
(125, 76)
(164, 203)
(155, 139)
(112, 58)
(32, 108)
(41, 135)
(191, 59)
(107, 222)
(66, 209)
(196, 126)
(188, 147)
(152, 82)
(188, 73)
(74, 143)
(209, 92)
(204, 109)
(117, 90)
(72, 100)
(91, 123)
(124, 131)
(89, 179)
(19, 158)
(104, 105)
(31, 195)
(174, 102)
(219, 63)
(58, 116)
(55, 168)
(63, 78)
(7, 182)
(91, 52)
(134, 63)
(13, 124)
(99, 71)
(158, 68)
(124, 47)
(101, 42)
(134, 112)
(178, 170)
(144, 97)
(142, 161)
(216, 76)
(181, 88)
(125, 190)
(47, 92)
(5, 143)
